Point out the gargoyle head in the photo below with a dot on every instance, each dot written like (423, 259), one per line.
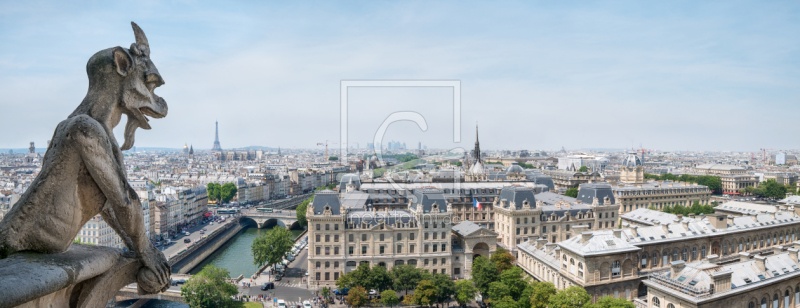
(128, 78)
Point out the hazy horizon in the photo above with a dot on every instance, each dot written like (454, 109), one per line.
(671, 76)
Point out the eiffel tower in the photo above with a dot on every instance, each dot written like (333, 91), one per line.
(216, 147)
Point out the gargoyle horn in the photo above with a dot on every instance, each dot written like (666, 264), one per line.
(141, 39)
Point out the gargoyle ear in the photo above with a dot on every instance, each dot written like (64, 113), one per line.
(122, 61)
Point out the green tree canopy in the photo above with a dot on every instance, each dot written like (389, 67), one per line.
(541, 293)
(405, 277)
(484, 272)
(497, 292)
(270, 247)
(300, 212)
(572, 297)
(333, 158)
(612, 302)
(572, 192)
(380, 278)
(583, 169)
(213, 190)
(425, 293)
(227, 192)
(389, 298)
(465, 291)
(445, 288)
(357, 297)
(211, 287)
(513, 280)
(361, 277)
(503, 259)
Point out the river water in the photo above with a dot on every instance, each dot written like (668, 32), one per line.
(236, 256)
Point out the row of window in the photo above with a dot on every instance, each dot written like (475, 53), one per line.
(382, 249)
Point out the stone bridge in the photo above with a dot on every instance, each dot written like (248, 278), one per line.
(286, 219)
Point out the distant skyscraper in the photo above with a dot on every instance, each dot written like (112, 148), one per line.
(419, 147)
(216, 147)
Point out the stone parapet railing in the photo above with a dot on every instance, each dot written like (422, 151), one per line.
(83, 276)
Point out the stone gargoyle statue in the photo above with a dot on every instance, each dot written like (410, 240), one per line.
(83, 174)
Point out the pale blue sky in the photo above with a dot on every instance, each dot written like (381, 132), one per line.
(536, 75)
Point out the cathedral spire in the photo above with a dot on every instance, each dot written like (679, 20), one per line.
(477, 151)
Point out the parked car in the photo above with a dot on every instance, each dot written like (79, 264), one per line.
(341, 292)
(281, 303)
(267, 286)
(204, 229)
(186, 240)
(306, 273)
(373, 292)
(277, 277)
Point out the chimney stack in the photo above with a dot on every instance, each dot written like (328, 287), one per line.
(618, 233)
(712, 258)
(676, 267)
(577, 230)
(793, 254)
(586, 236)
(743, 256)
(635, 230)
(691, 215)
(719, 221)
(761, 263)
(796, 244)
(777, 249)
(722, 281)
(665, 227)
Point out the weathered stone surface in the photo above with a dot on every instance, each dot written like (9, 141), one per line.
(83, 175)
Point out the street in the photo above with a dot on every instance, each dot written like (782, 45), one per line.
(291, 287)
(194, 234)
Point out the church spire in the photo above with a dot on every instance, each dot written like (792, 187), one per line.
(477, 151)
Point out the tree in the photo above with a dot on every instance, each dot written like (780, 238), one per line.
(503, 259)
(612, 302)
(583, 169)
(344, 282)
(389, 298)
(406, 277)
(572, 297)
(424, 294)
(505, 302)
(326, 292)
(227, 192)
(465, 292)
(356, 297)
(380, 279)
(497, 292)
(211, 287)
(300, 212)
(333, 158)
(360, 276)
(513, 279)
(445, 288)
(272, 246)
(541, 293)
(572, 192)
(484, 272)
(213, 190)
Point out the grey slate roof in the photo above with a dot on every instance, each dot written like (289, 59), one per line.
(426, 197)
(589, 191)
(466, 227)
(374, 217)
(326, 197)
(518, 195)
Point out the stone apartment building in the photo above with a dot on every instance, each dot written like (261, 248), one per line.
(344, 233)
(752, 281)
(614, 262)
(733, 177)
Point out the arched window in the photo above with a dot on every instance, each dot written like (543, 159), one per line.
(703, 252)
(571, 261)
(580, 266)
(786, 299)
(763, 302)
(655, 259)
(747, 245)
(725, 248)
(762, 241)
(670, 306)
(656, 302)
(644, 261)
(694, 253)
(797, 296)
(775, 301)
(751, 305)
(351, 263)
(674, 255)
(741, 245)
(685, 255)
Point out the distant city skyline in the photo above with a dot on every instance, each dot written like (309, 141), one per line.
(672, 76)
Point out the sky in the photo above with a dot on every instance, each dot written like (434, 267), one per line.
(536, 75)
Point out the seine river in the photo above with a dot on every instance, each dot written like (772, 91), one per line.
(235, 256)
